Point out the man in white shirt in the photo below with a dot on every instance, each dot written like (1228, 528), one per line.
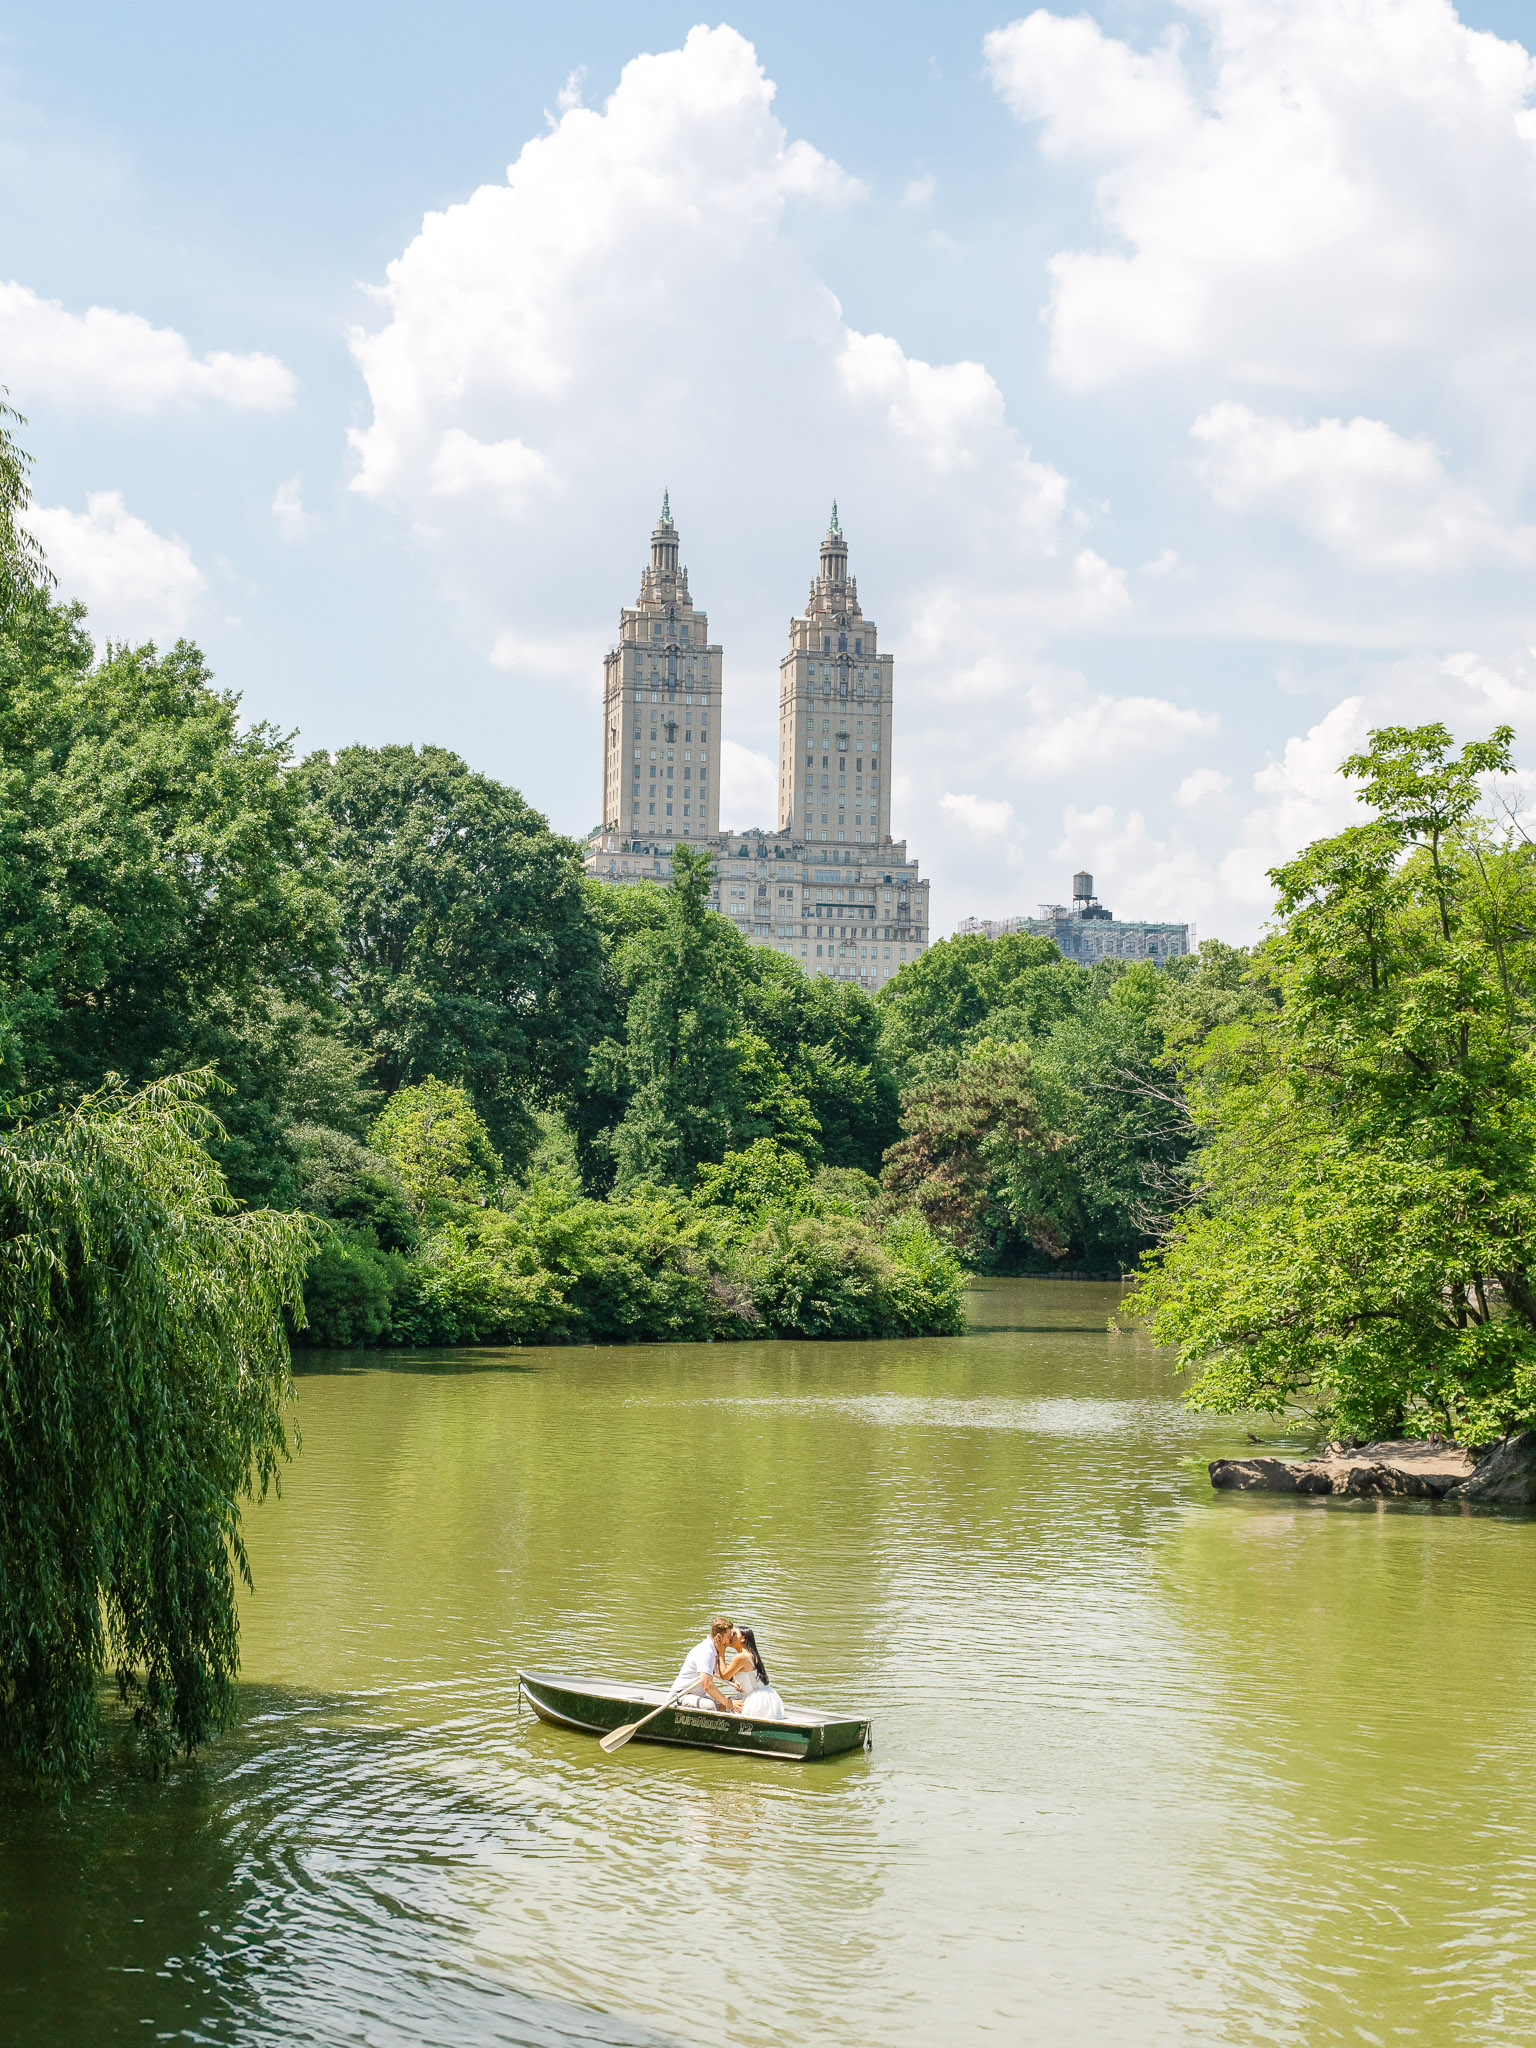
(701, 1664)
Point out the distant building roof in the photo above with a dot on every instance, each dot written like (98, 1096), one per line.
(1085, 930)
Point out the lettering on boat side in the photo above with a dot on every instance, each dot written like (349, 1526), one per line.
(717, 1724)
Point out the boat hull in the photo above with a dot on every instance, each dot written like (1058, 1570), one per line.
(597, 1706)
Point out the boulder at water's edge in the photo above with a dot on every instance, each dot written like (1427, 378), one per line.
(1402, 1468)
(1505, 1476)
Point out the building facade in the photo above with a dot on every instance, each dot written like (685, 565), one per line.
(661, 707)
(835, 713)
(1087, 931)
(830, 887)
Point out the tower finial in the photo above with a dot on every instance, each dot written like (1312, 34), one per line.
(666, 508)
(834, 527)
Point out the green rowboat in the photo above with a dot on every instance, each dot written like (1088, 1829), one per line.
(594, 1706)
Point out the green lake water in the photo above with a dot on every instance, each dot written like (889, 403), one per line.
(1150, 1765)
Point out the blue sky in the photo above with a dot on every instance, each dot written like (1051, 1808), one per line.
(1174, 368)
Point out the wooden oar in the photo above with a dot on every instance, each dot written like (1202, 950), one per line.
(617, 1737)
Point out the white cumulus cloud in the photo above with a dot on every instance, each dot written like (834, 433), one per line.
(749, 789)
(136, 583)
(1357, 487)
(118, 361)
(293, 523)
(631, 307)
(1087, 729)
(1301, 797)
(506, 472)
(1202, 786)
(1301, 189)
(987, 817)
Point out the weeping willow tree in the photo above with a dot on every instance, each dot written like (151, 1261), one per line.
(143, 1384)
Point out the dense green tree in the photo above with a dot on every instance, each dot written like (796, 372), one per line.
(351, 1185)
(1124, 1122)
(163, 898)
(827, 1040)
(359, 1264)
(1364, 1242)
(986, 1158)
(161, 884)
(143, 1376)
(680, 1064)
(24, 575)
(439, 1147)
(469, 949)
(763, 1179)
(1098, 1085)
(596, 1106)
(969, 988)
(806, 1062)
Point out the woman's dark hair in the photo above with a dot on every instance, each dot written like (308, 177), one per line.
(755, 1654)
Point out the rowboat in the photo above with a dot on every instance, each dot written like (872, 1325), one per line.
(593, 1706)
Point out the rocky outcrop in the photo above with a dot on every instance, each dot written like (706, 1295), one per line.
(1505, 1475)
(1269, 1475)
(1403, 1468)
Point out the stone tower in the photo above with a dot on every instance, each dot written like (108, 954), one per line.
(835, 714)
(661, 707)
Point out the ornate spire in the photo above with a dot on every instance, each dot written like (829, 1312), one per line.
(834, 556)
(666, 508)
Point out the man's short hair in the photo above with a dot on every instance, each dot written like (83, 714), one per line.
(720, 1626)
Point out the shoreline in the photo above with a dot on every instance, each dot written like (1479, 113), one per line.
(1499, 1474)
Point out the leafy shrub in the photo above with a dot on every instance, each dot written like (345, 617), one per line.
(438, 1145)
(336, 1177)
(460, 1291)
(763, 1179)
(928, 1280)
(349, 1288)
(813, 1277)
(558, 1267)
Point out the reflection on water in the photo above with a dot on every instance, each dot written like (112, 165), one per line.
(1150, 1766)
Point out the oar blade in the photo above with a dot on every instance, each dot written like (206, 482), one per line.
(616, 1738)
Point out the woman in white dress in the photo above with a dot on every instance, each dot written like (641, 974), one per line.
(745, 1670)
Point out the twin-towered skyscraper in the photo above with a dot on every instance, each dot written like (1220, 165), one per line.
(834, 710)
(844, 899)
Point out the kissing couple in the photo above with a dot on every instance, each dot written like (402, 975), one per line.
(728, 1668)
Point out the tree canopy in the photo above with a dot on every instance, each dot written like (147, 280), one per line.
(441, 1150)
(1364, 1242)
(24, 575)
(159, 871)
(961, 990)
(467, 945)
(680, 1065)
